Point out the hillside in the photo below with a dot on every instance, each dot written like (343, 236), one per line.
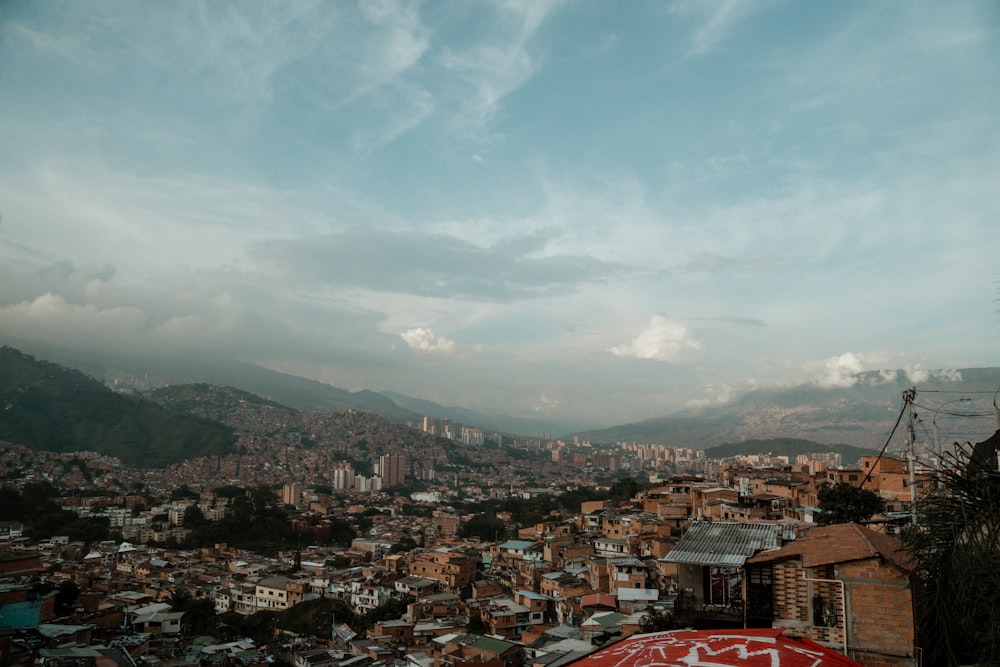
(50, 407)
(861, 415)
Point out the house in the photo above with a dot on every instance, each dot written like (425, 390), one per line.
(159, 622)
(505, 617)
(415, 586)
(451, 569)
(843, 586)
(459, 650)
(10, 530)
(602, 624)
(710, 560)
(272, 593)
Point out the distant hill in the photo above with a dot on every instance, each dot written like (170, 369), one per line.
(861, 415)
(49, 407)
(150, 372)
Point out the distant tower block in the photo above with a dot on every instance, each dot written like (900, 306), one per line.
(392, 468)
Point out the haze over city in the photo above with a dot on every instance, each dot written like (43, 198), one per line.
(585, 211)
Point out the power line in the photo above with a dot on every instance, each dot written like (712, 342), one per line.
(908, 396)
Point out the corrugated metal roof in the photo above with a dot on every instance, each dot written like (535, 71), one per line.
(723, 543)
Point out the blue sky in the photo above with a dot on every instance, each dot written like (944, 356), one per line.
(591, 212)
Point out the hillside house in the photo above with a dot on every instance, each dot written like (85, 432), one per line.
(843, 586)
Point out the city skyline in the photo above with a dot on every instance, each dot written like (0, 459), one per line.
(574, 211)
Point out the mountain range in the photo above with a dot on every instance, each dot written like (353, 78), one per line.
(861, 414)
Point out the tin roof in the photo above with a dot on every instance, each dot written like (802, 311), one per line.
(723, 543)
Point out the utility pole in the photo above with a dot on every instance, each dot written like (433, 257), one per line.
(908, 397)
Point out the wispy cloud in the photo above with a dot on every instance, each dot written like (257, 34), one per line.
(429, 265)
(495, 69)
(715, 21)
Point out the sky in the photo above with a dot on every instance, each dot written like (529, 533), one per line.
(584, 211)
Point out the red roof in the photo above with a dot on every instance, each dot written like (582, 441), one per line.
(838, 543)
(599, 600)
(714, 648)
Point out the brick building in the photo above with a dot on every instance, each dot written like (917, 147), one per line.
(451, 569)
(843, 586)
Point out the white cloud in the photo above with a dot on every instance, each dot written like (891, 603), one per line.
(663, 340)
(422, 339)
(918, 375)
(548, 402)
(839, 371)
(717, 395)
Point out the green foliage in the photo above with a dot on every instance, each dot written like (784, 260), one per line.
(182, 492)
(53, 408)
(843, 503)
(315, 617)
(955, 549)
(655, 621)
(193, 517)
(404, 544)
(391, 609)
(255, 521)
(487, 527)
(199, 613)
(66, 597)
(35, 507)
(626, 488)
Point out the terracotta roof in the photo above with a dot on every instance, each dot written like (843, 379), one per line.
(838, 543)
(719, 648)
(599, 600)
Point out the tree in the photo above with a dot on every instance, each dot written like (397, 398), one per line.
(404, 544)
(193, 516)
(845, 503)
(955, 549)
(182, 492)
(199, 613)
(655, 621)
(66, 597)
(487, 527)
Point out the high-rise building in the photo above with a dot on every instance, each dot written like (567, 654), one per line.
(392, 469)
(343, 477)
(291, 494)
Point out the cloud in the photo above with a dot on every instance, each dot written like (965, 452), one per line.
(716, 21)
(495, 69)
(422, 339)
(663, 340)
(840, 371)
(720, 394)
(548, 402)
(918, 375)
(431, 265)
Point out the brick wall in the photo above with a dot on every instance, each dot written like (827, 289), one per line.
(881, 612)
(879, 609)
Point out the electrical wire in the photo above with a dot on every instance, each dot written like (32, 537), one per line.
(907, 399)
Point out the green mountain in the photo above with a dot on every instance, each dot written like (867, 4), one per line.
(49, 407)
